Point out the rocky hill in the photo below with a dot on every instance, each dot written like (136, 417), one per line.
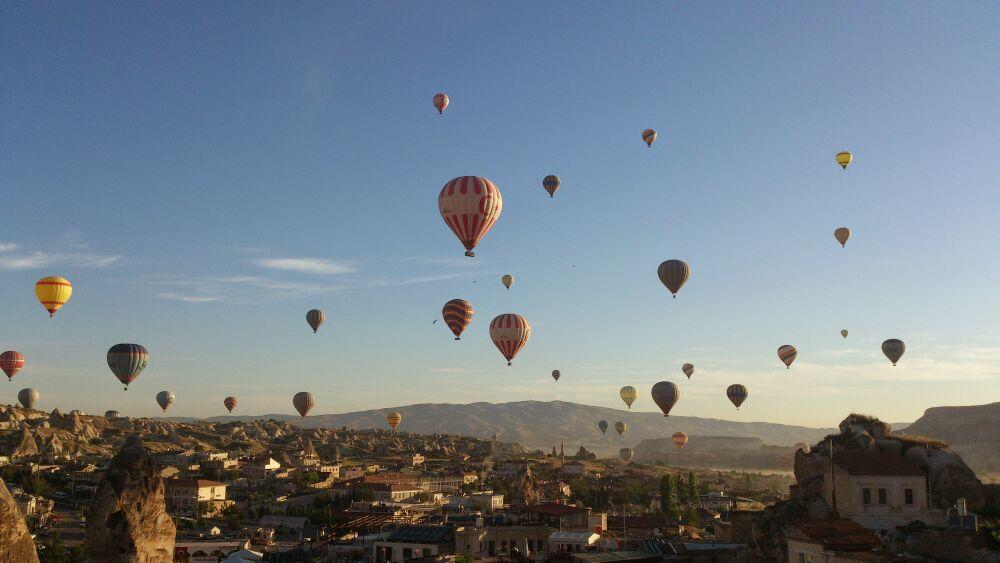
(973, 432)
(717, 452)
(541, 425)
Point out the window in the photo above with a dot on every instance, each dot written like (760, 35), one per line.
(866, 496)
(807, 558)
(908, 496)
(882, 497)
(407, 552)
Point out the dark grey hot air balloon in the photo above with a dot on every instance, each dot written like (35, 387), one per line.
(112, 414)
(665, 395)
(556, 375)
(893, 349)
(603, 426)
(303, 402)
(737, 394)
(626, 454)
(127, 361)
(673, 274)
(27, 397)
(164, 399)
(688, 370)
(315, 318)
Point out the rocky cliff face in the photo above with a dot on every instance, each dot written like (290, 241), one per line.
(128, 522)
(15, 541)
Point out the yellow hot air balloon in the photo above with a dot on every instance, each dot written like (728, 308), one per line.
(844, 158)
(627, 394)
(53, 292)
(394, 418)
(507, 280)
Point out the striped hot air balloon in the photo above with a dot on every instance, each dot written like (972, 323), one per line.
(649, 136)
(627, 394)
(11, 362)
(674, 274)
(53, 292)
(844, 158)
(441, 101)
(626, 454)
(112, 414)
(303, 401)
(737, 394)
(127, 361)
(620, 427)
(457, 315)
(787, 355)
(27, 397)
(665, 395)
(551, 184)
(688, 370)
(510, 332)
(470, 205)
(230, 403)
(315, 318)
(679, 439)
(393, 419)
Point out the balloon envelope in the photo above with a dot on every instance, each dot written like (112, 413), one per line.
(303, 402)
(603, 426)
(674, 274)
(164, 399)
(556, 375)
(11, 362)
(457, 315)
(688, 370)
(844, 158)
(470, 205)
(842, 234)
(507, 280)
(127, 361)
(394, 418)
(620, 427)
(844, 333)
(787, 354)
(679, 439)
(112, 414)
(551, 184)
(625, 454)
(27, 397)
(627, 394)
(441, 101)
(737, 394)
(665, 395)
(230, 403)
(649, 136)
(315, 318)
(53, 292)
(510, 332)
(893, 349)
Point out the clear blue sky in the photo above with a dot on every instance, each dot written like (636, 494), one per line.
(205, 173)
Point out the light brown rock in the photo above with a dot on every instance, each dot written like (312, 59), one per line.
(15, 540)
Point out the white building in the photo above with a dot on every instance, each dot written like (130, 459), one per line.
(185, 494)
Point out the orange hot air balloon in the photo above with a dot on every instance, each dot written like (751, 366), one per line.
(441, 101)
(53, 292)
(787, 355)
(457, 315)
(679, 439)
(230, 403)
(510, 332)
(394, 418)
(470, 205)
(11, 362)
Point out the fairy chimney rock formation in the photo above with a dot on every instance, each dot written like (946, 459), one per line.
(128, 521)
(15, 540)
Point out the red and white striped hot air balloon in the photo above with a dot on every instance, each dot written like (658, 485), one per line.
(470, 205)
(11, 362)
(679, 439)
(510, 332)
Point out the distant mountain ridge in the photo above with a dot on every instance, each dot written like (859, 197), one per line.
(973, 432)
(542, 425)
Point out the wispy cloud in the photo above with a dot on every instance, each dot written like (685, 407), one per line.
(189, 298)
(44, 259)
(389, 282)
(7, 246)
(306, 265)
(240, 289)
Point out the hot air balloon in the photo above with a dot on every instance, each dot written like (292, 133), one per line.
(457, 315)
(844, 333)
(507, 280)
(393, 418)
(844, 158)
(551, 184)
(803, 446)
(27, 397)
(441, 101)
(112, 414)
(230, 403)
(315, 318)
(11, 362)
(737, 394)
(620, 427)
(673, 274)
(470, 205)
(164, 399)
(842, 234)
(688, 370)
(510, 332)
(627, 394)
(893, 349)
(127, 361)
(679, 439)
(665, 395)
(649, 136)
(626, 454)
(556, 375)
(603, 426)
(787, 354)
(303, 402)
(53, 292)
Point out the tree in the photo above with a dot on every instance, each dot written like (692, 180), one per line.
(667, 505)
(692, 490)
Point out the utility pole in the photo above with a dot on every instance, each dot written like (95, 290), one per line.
(833, 481)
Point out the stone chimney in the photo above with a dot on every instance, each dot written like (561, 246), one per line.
(15, 541)
(128, 521)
